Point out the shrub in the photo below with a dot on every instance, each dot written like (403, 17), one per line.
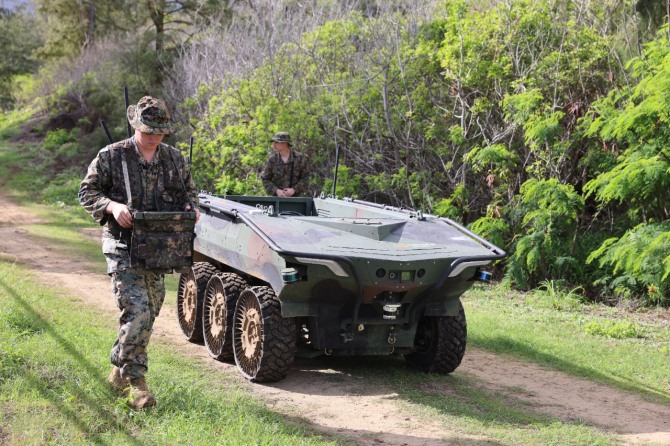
(55, 139)
(548, 212)
(555, 296)
(614, 329)
(639, 262)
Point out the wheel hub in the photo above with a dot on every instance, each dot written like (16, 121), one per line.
(216, 314)
(251, 335)
(189, 301)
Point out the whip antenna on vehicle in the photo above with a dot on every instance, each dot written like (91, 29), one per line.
(337, 159)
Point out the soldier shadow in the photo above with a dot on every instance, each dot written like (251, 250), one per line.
(45, 328)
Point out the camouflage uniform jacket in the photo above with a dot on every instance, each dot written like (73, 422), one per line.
(164, 184)
(279, 175)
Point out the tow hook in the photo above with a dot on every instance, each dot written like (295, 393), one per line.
(391, 338)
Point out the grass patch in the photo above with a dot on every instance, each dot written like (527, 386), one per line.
(614, 329)
(53, 390)
(11, 123)
(459, 401)
(615, 347)
(48, 170)
(18, 171)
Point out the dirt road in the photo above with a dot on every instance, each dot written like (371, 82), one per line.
(369, 415)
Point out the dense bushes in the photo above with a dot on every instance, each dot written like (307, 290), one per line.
(537, 123)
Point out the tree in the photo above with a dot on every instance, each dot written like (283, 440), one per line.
(19, 37)
(654, 14)
(74, 25)
(634, 122)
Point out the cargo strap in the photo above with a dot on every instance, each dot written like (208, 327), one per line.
(126, 179)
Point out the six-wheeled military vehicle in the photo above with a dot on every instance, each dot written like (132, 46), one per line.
(274, 277)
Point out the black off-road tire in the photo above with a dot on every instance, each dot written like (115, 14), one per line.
(264, 342)
(190, 294)
(439, 343)
(218, 310)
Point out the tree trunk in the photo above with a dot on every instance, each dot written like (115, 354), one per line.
(157, 14)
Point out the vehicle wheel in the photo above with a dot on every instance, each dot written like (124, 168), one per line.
(264, 342)
(439, 343)
(190, 294)
(217, 314)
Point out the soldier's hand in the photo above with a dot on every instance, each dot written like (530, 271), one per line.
(289, 192)
(196, 210)
(121, 214)
(280, 193)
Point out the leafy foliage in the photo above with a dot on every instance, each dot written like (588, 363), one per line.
(548, 212)
(636, 119)
(614, 329)
(642, 257)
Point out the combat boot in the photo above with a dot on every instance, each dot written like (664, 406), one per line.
(139, 392)
(115, 379)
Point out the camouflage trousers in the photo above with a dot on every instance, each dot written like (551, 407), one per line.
(140, 298)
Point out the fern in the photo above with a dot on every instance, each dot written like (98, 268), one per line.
(548, 211)
(640, 261)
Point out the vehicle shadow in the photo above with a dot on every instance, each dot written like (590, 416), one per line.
(529, 353)
(594, 401)
(365, 437)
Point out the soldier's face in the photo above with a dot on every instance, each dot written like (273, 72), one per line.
(148, 141)
(281, 147)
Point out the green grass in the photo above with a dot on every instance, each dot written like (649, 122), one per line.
(18, 170)
(463, 404)
(615, 347)
(11, 123)
(53, 365)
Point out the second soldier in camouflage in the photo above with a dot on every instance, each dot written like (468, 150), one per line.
(286, 173)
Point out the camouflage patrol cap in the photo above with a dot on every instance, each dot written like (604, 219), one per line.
(150, 115)
(282, 137)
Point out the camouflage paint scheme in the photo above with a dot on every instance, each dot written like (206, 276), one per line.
(351, 259)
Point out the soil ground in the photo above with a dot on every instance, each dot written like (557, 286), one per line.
(369, 415)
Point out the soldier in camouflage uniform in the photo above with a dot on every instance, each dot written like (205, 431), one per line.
(286, 173)
(158, 178)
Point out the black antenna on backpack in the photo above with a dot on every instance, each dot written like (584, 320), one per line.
(190, 152)
(125, 96)
(104, 127)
